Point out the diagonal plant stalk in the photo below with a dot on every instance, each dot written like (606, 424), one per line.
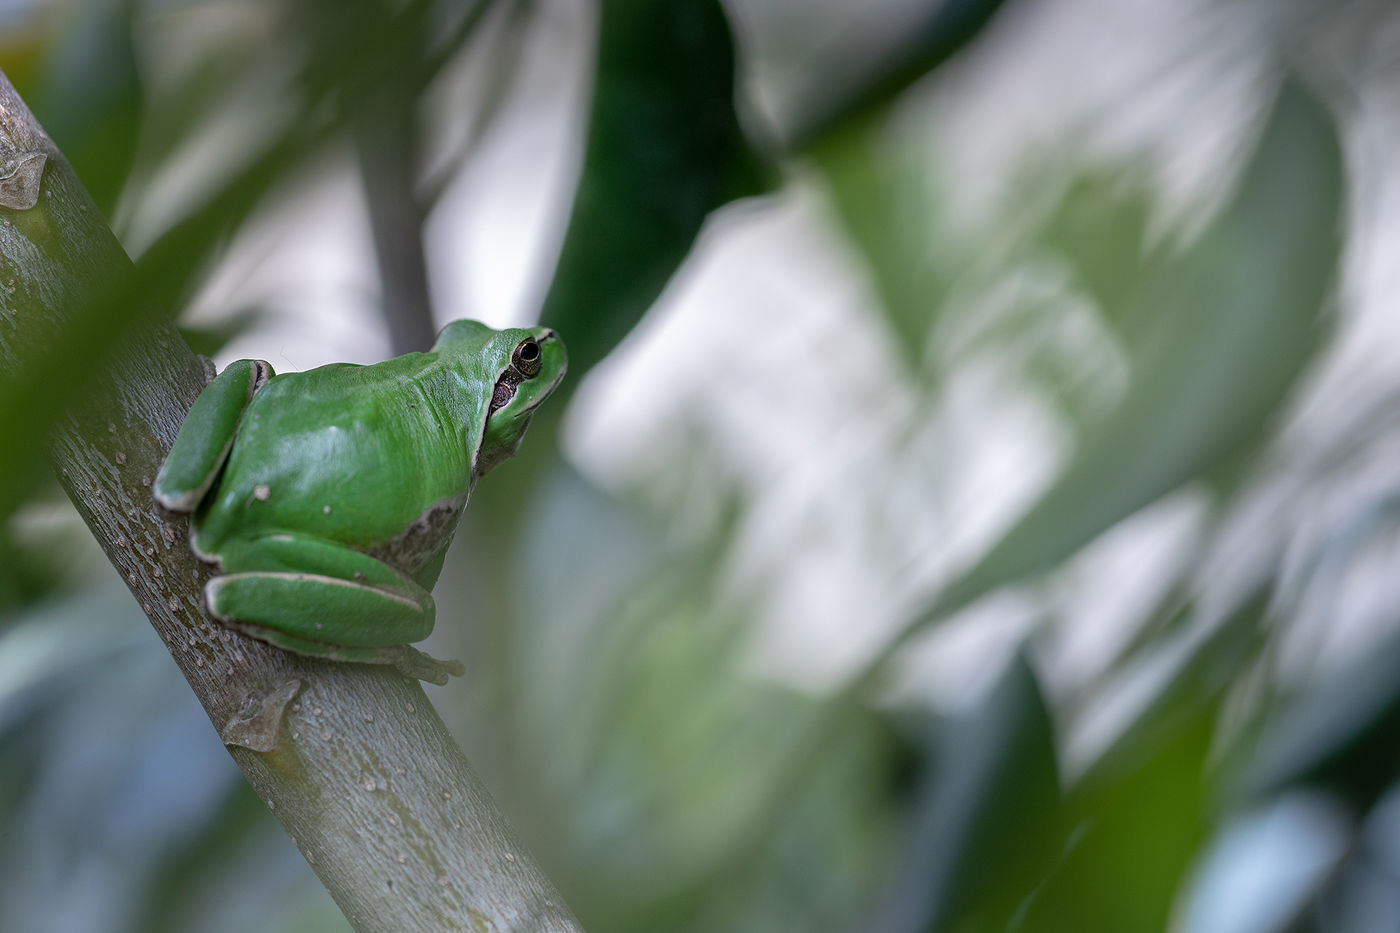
(358, 766)
(386, 146)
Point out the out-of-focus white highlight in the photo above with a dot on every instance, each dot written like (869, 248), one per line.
(1265, 867)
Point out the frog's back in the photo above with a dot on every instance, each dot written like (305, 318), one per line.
(335, 381)
(348, 453)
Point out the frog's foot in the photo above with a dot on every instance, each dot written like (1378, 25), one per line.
(319, 598)
(406, 659)
(206, 436)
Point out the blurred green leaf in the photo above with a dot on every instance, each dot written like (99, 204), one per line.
(1136, 833)
(664, 149)
(209, 339)
(24, 46)
(1235, 322)
(1100, 226)
(1138, 817)
(1341, 736)
(839, 831)
(1208, 665)
(985, 825)
(24, 574)
(882, 194)
(112, 785)
(852, 83)
(645, 725)
(180, 874)
(1206, 670)
(176, 114)
(885, 203)
(57, 643)
(90, 102)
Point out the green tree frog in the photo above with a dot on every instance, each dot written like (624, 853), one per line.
(327, 498)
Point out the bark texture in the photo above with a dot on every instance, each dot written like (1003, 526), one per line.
(363, 775)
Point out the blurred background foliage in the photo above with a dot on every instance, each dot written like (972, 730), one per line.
(973, 504)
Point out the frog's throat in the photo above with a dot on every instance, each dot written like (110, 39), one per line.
(425, 537)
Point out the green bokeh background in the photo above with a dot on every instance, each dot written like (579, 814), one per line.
(907, 708)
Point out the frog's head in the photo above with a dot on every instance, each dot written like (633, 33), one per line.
(523, 365)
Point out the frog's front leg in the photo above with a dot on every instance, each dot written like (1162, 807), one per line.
(203, 443)
(316, 597)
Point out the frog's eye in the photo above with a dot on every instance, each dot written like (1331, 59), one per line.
(527, 358)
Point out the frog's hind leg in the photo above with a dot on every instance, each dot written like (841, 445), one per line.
(320, 598)
(203, 443)
(406, 658)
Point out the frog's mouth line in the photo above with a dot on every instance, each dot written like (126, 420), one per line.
(510, 381)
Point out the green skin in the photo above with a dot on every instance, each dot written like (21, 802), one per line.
(327, 498)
